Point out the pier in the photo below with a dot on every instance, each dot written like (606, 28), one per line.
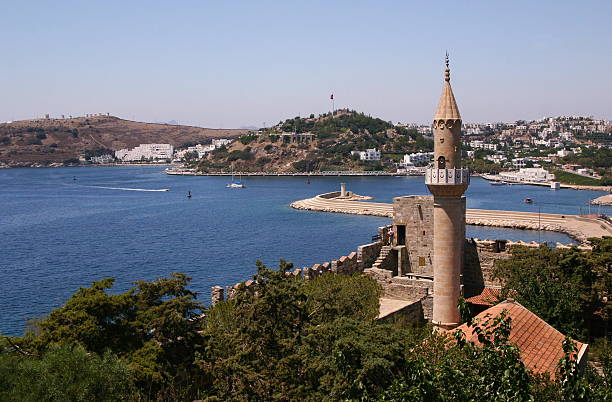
(578, 227)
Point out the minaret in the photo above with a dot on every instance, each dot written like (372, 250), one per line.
(447, 181)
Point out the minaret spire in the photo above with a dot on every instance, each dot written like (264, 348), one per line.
(447, 181)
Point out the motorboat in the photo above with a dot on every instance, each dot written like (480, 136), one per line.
(528, 201)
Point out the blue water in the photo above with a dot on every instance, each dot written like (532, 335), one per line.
(57, 234)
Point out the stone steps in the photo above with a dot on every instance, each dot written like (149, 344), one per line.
(384, 254)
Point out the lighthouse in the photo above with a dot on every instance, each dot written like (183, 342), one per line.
(447, 181)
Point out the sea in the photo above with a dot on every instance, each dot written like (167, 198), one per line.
(63, 228)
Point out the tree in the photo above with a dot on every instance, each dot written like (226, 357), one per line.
(64, 373)
(153, 326)
(567, 288)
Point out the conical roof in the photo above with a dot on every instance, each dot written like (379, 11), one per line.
(447, 107)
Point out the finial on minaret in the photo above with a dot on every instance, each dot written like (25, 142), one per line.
(447, 71)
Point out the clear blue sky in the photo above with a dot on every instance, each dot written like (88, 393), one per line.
(232, 64)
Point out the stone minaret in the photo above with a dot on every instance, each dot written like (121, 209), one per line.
(447, 181)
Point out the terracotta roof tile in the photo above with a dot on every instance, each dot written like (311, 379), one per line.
(539, 343)
(488, 297)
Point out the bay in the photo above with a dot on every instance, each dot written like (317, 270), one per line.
(58, 234)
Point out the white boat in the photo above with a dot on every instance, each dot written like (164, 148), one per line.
(235, 184)
(498, 183)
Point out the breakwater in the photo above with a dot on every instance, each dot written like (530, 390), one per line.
(579, 228)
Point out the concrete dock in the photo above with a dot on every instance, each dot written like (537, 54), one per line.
(578, 227)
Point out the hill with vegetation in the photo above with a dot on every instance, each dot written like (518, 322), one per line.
(47, 141)
(326, 144)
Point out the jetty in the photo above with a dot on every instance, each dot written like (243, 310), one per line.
(578, 227)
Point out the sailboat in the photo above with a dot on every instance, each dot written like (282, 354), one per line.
(189, 194)
(234, 183)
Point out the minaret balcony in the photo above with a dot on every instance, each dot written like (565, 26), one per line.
(434, 176)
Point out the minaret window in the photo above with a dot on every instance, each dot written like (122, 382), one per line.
(441, 162)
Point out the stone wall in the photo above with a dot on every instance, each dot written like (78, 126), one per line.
(410, 314)
(346, 265)
(415, 213)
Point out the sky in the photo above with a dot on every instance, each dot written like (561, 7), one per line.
(231, 64)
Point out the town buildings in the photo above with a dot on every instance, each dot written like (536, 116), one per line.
(146, 152)
(368, 155)
(533, 175)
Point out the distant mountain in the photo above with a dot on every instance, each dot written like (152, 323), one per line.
(45, 141)
(249, 128)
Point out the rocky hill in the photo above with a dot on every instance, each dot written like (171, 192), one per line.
(47, 141)
(317, 143)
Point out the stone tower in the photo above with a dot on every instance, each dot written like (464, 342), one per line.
(447, 181)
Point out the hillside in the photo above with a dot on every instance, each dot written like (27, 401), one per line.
(47, 141)
(317, 143)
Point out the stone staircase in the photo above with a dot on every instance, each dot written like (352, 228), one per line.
(382, 257)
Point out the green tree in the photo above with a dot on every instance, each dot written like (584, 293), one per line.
(153, 326)
(567, 288)
(64, 373)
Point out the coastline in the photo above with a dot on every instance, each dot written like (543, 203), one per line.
(548, 184)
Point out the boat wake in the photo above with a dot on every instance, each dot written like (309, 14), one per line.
(132, 189)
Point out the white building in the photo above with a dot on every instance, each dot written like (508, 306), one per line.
(483, 145)
(201, 149)
(368, 155)
(146, 152)
(564, 152)
(218, 143)
(528, 175)
(102, 159)
(495, 158)
(417, 158)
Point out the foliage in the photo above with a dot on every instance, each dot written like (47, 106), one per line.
(571, 178)
(64, 373)
(481, 165)
(152, 326)
(89, 153)
(281, 338)
(247, 138)
(567, 288)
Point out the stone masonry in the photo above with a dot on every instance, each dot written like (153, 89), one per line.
(413, 228)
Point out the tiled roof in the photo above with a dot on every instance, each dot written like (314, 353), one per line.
(488, 297)
(539, 343)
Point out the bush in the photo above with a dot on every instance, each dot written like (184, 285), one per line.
(247, 139)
